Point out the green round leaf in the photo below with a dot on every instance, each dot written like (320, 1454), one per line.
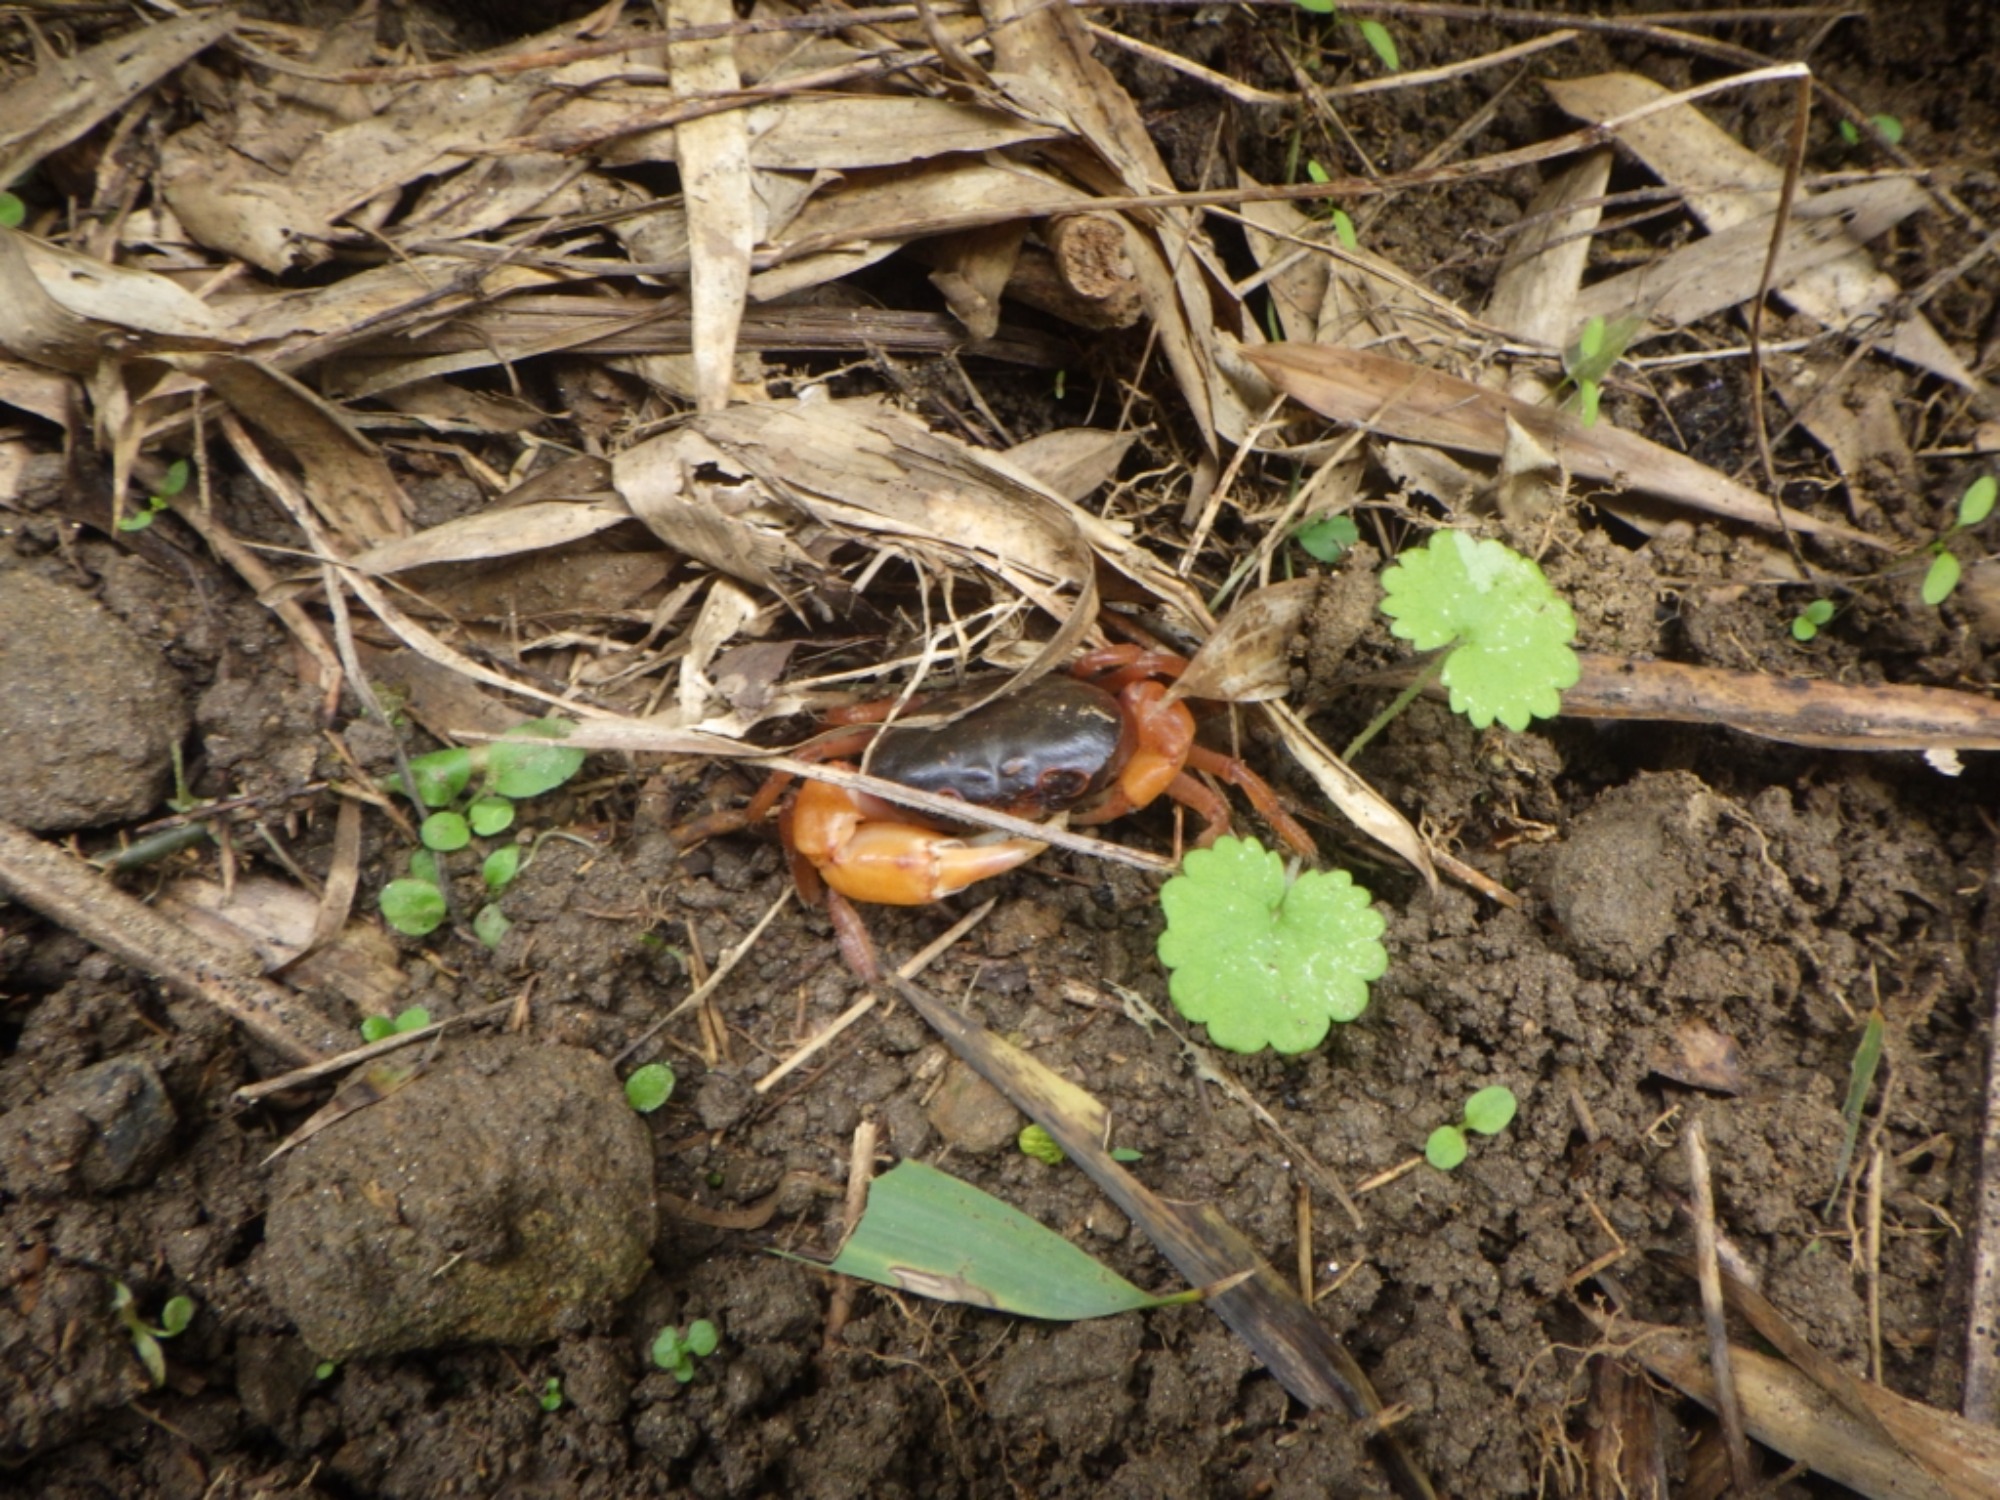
(424, 866)
(667, 1351)
(1803, 628)
(1819, 611)
(552, 1397)
(413, 907)
(490, 815)
(529, 762)
(1328, 537)
(1850, 132)
(702, 1339)
(1038, 1143)
(175, 1316)
(500, 868)
(413, 1018)
(1491, 1110)
(1446, 1147)
(12, 211)
(1888, 127)
(491, 925)
(441, 775)
(444, 832)
(1263, 964)
(174, 480)
(1343, 230)
(1127, 1154)
(377, 1028)
(1941, 579)
(1510, 631)
(1976, 504)
(649, 1087)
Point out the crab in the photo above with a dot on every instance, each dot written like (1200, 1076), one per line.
(1099, 742)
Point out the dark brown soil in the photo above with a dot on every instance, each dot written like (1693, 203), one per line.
(1680, 885)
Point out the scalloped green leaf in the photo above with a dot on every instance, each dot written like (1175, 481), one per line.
(1262, 962)
(1510, 632)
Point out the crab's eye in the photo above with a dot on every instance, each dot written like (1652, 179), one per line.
(1059, 787)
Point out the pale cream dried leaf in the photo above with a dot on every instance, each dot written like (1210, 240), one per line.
(493, 533)
(66, 311)
(714, 154)
(66, 97)
(1392, 398)
(1726, 183)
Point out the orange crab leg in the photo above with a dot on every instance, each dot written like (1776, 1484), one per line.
(887, 863)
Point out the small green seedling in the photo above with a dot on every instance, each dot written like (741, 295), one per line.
(1343, 226)
(1507, 632)
(174, 1319)
(1264, 960)
(12, 211)
(1974, 506)
(1808, 622)
(1374, 33)
(326, 1369)
(649, 1087)
(171, 484)
(551, 1398)
(677, 1351)
(525, 764)
(1327, 538)
(1588, 360)
(1487, 1112)
(1886, 126)
(380, 1028)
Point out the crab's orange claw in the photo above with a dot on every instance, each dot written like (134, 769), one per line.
(892, 864)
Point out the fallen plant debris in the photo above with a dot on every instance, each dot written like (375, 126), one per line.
(708, 376)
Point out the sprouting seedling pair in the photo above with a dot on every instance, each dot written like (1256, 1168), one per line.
(174, 1319)
(527, 763)
(1588, 359)
(1487, 1112)
(676, 1350)
(1974, 506)
(1374, 33)
(171, 484)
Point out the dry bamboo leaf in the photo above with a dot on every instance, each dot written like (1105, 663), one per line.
(875, 212)
(368, 303)
(66, 96)
(971, 270)
(1248, 658)
(1365, 807)
(547, 590)
(500, 532)
(1044, 66)
(1295, 274)
(287, 213)
(1785, 1410)
(702, 503)
(49, 394)
(68, 311)
(1727, 267)
(1535, 293)
(1394, 399)
(490, 193)
(714, 153)
(1073, 461)
(349, 483)
(1726, 184)
(726, 611)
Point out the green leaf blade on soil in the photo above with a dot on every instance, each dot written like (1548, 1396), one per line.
(1976, 504)
(927, 1232)
(1491, 1110)
(1261, 962)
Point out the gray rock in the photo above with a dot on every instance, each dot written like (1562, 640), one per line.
(499, 1198)
(88, 712)
(104, 1128)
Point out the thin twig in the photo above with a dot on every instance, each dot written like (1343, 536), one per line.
(1709, 1276)
(728, 960)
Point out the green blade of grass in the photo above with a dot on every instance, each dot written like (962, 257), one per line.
(1860, 1079)
(927, 1232)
